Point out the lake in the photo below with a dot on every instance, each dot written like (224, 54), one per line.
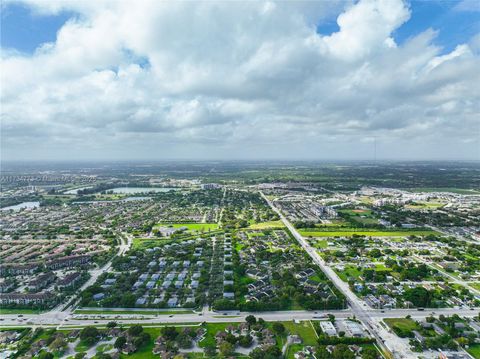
(22, 205)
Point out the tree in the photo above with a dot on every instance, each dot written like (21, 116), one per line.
(341, 351)
(462, 341)
(184, 341)
(111, 324)
(369, 353)
(170, 333)
(120, 342)
(210, 351)
(79, 355)
(45, 355)
(58, 344)
(419, 296)
(89, 332)
(135, 330)
(245, 341)
(226, 349)
(322, 353)
(251, 320)
(331, 318)
(278, 328)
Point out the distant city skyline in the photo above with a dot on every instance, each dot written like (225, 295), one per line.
(132, 80)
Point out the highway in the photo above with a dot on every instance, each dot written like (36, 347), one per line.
(66, 319)
(358, 307)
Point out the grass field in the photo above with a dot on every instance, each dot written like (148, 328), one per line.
(348, 232)
(425, 205)
(474, 350)
(304, 330)
(4, 311)
(401, 323)
(349, 272)
(267, 225)
(320, 244)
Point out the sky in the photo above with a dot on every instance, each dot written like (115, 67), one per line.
(149, 80)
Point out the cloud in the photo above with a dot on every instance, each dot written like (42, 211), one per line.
(468, 5)
(238, 79)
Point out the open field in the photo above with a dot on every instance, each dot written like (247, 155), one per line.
(267, 225)
(401, 323)
(304, 330)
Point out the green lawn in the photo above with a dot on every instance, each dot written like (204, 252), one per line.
(474, 350)
(349, 272)
(82, 347)
(401, 323)
(292, 349)
(320, 243)
(104, 348)
(212, 329)
(304, 330)
(4, 311)
(267, 225)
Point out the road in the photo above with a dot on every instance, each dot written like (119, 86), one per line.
(69, 319)
(357, 306)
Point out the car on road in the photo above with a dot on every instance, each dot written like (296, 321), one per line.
(170, 316)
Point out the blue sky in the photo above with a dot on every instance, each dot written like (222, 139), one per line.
(24, 30)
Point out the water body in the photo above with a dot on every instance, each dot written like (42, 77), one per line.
(23, 205)
(130, 190)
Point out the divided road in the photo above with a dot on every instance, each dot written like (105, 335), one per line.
(357, 306)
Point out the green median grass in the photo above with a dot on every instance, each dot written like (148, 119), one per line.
(142, 312)
(5, 311)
